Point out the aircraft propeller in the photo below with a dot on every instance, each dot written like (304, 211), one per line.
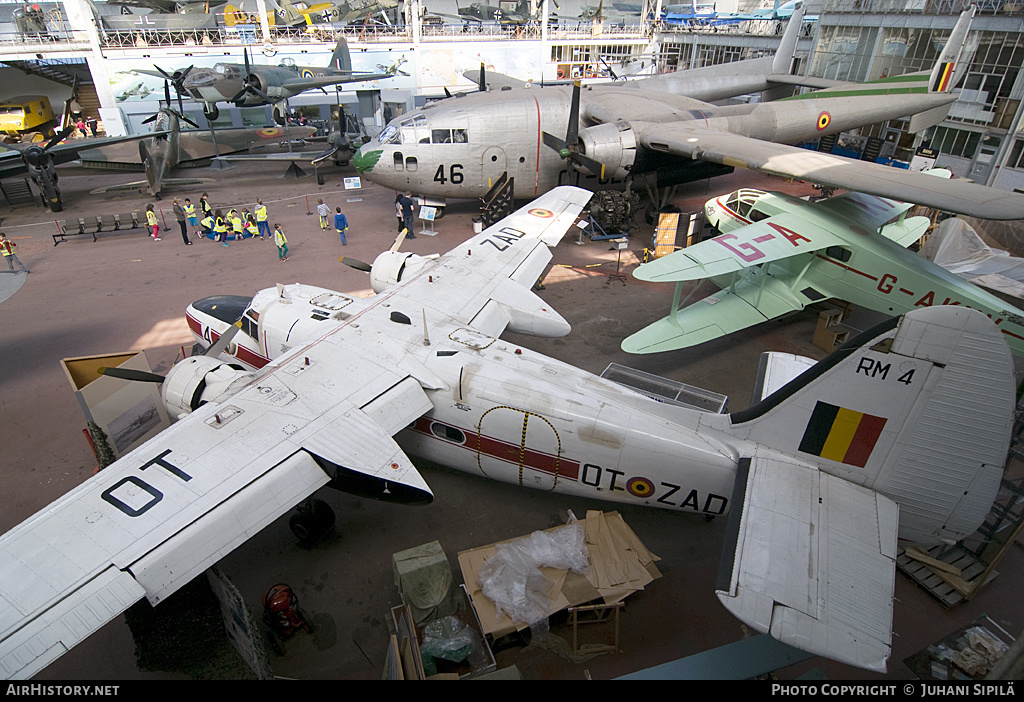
(40, 166)
(179, 113)
(250, 83)
(570, 147)
(146, 377)
(177, 78)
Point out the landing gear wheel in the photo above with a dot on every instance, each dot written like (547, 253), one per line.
(312, 522)
(212, 113)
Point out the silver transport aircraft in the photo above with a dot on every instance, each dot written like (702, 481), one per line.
(901, 434)
(661, 131)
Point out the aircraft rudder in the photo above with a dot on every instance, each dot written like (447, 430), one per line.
(946, 70)
(783, 62)
(341, 59)
(919, 409)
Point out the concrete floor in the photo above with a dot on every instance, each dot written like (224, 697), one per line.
(127, 292)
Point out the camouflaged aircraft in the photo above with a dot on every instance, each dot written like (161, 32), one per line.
(661, 131)
(247, 85)
(169, 148)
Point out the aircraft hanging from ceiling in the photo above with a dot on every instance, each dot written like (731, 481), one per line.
(170, 148)
(778, 254)
(338, 377)
(249, 85)
(659, 131)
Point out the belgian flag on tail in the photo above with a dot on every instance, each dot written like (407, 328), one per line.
(841, 435)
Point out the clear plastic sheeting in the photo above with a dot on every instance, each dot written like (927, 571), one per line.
(957, 247)
(512, 578)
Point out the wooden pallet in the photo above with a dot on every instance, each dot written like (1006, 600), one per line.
(955, 576)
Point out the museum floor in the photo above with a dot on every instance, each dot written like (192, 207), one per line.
(127, 292)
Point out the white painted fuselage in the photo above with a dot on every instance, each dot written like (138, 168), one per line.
(503, 412)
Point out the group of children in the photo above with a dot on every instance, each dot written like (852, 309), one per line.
(217, 226)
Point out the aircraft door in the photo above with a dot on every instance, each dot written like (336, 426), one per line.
(515, 446)
(493, 164)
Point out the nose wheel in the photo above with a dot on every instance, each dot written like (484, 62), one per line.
(311, 522)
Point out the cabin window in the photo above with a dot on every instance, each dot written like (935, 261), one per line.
(250, 327)
(757, 215)
(838, 253)
(399, 161)
(411, 164)
(443, 431)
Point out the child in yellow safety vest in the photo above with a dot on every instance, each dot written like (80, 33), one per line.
(282, 243)
(250, 226)
(206, 225)
(220, 227)
(151, 222)
(236, 224)
(190, 214)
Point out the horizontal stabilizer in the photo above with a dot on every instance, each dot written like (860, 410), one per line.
(810, 559)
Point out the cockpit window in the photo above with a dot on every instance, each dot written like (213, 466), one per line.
(390, 135)
(448, 136)
(226, 308)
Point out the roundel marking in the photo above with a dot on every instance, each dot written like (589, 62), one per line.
(269, 132)
(640, 487)
(539, 212)
(824, 119)
(306, 73)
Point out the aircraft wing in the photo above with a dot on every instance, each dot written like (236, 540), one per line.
(12, 163)
(486, 282)
(738, 307)
(811, 560)
(779, 237)
(166, 511)
(300, 84)
(740, 151)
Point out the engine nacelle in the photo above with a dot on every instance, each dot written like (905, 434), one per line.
(391, 267)
(201, 379)
(612, 144)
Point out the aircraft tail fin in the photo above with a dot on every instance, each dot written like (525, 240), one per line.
(783, 62)
(944, 73)
(341, 59)
(919, 409)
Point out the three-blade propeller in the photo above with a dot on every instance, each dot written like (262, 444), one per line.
(251, 83)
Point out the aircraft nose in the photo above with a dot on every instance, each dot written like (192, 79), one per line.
(365, 158)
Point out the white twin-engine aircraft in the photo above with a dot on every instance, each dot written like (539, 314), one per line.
(900, 434)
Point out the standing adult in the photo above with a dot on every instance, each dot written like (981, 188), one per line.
(75, 109)
(261, 219)
(7, 248)
(408, 212)
(398, 212)
(340, 225)
(179, 215)
(92, 123)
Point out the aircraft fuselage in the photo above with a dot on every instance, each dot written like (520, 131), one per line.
(873, 272)
(503, 412)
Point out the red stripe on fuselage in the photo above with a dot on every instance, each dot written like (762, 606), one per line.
(504, 450)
